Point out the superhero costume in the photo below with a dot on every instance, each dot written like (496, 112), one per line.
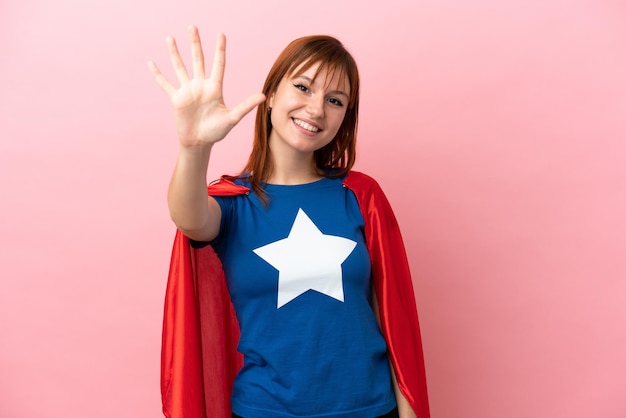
(199, 360)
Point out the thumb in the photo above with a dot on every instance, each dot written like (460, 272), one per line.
(243, 108)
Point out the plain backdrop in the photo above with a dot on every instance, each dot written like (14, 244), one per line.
(497, 129)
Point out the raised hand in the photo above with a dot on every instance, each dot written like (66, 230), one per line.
(200, 114)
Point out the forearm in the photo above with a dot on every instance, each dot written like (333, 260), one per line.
(187, 195)
(404, 408)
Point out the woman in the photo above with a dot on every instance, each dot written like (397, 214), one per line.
(301, 241)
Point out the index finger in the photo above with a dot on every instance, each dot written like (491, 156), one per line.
(219, 59)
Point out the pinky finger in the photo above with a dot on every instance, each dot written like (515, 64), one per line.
(160, 79)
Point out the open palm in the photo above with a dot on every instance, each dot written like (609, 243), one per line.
(200, 114)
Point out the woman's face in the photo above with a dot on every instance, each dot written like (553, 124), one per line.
(307, 111)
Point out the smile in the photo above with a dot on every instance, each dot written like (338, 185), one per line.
(306, 126)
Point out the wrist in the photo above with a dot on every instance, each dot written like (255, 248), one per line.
(195, 152)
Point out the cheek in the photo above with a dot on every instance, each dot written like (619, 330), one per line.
(338, 120)
(284, 102)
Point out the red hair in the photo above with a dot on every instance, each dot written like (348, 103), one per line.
(336, 158)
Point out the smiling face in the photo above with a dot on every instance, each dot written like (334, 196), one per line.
(278, 145)
(308, 109)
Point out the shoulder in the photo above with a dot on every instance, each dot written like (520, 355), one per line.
(227, 186)
(358, 181)
(368, 192)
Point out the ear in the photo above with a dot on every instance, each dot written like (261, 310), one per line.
(271, 103)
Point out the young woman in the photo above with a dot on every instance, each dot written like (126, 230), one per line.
(309, 254)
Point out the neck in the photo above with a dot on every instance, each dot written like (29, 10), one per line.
(292, 171)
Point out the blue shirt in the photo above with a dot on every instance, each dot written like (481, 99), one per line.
(298, 273)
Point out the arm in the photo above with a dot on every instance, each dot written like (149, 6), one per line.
(404, 408)
(202, 119)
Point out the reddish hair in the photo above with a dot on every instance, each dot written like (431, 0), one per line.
(337, 157)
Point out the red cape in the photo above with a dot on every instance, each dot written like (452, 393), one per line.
(199, 360)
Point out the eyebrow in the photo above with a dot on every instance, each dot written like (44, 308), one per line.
(310, 80)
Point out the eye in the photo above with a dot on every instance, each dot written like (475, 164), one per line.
(301, 87)
(335, 101)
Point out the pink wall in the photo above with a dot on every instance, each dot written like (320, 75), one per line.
(497, 129)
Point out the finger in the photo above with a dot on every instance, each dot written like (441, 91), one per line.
(197, 55)
(177, 62)
(165, 85)
(219, 59)
(243, 108)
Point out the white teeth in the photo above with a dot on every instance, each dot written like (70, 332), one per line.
(305, 125)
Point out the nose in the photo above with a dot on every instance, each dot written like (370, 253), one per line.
(315, 107)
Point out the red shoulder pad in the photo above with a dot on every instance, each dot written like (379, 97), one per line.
(225, 187)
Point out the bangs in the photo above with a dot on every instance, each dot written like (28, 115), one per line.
(335, 61)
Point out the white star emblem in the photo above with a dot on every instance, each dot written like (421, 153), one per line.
(307, 260)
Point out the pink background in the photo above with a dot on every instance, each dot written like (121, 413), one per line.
(496, 127)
